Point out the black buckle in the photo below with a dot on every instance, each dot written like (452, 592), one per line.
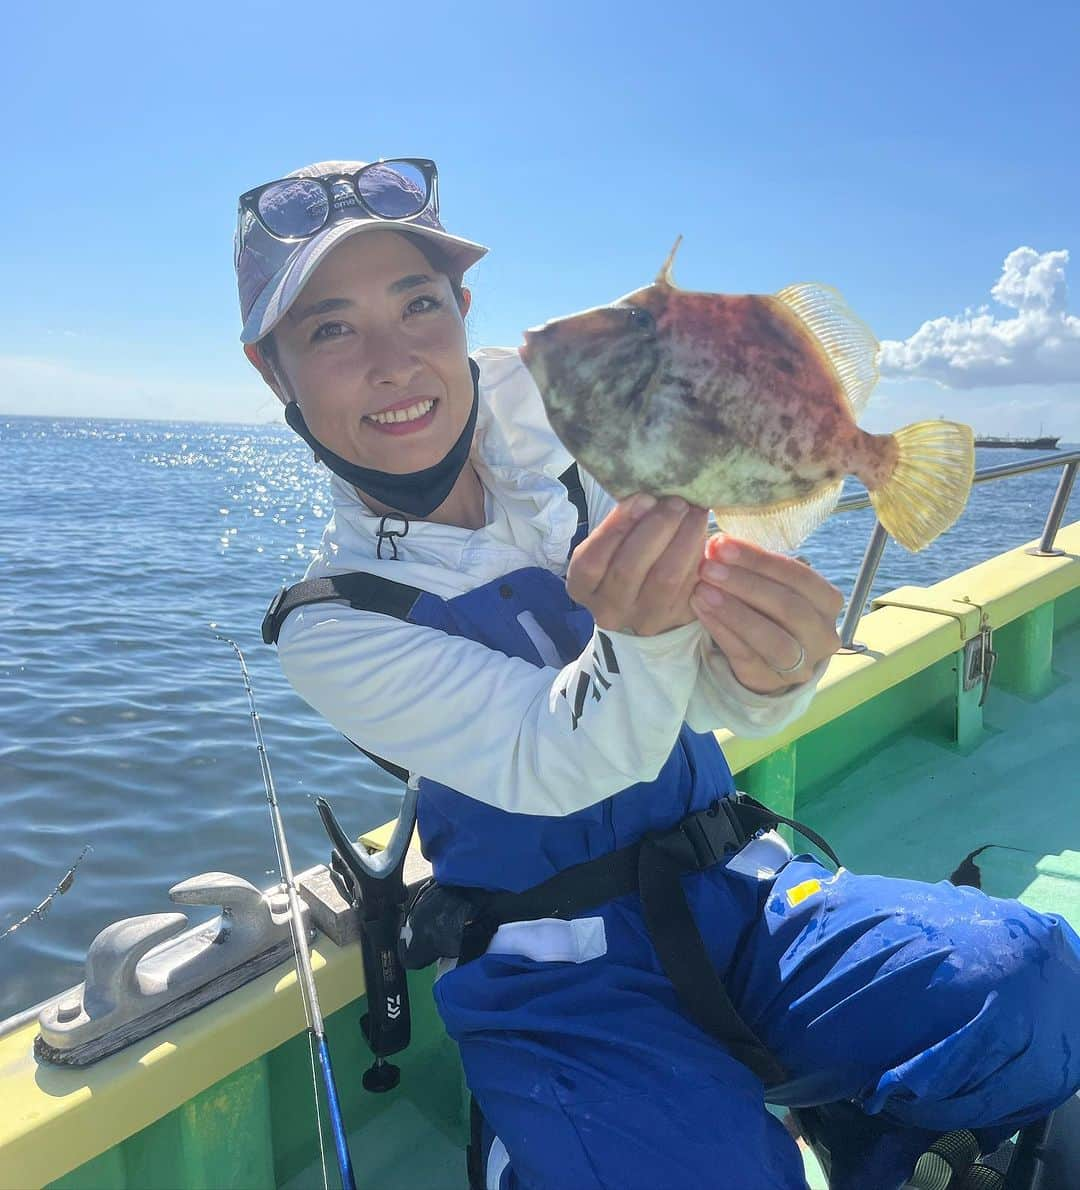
(698, 837)
(703, 839)
(269, 627)
(724, 829)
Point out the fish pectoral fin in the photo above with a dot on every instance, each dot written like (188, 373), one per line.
(930, 484)
(784, 526)
(847, 340)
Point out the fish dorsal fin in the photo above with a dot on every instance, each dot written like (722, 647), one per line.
(664, 277)
(781, 528)
(847, 340)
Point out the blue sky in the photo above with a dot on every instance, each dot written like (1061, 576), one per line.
(905, 154)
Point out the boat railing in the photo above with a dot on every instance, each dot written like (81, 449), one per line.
(1068, 460)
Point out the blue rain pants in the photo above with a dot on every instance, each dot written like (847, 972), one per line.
(930, 1007)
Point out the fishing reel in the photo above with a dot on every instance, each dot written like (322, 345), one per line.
(1045, 1155)
(374, 885)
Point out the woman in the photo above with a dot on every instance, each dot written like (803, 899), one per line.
(556, 713)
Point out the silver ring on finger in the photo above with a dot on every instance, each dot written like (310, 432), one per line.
(791, 668)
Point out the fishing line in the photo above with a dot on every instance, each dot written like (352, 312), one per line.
(301, 953)
(43, 907)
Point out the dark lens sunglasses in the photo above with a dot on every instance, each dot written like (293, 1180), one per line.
(296, 208)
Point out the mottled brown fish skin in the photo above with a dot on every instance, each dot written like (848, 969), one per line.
(729, 401)
(765, 383)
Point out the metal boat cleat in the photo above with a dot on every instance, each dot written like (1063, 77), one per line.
(145, 972)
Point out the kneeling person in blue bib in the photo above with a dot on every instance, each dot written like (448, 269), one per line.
(548, 666)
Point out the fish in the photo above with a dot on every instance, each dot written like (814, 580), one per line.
(744, 404)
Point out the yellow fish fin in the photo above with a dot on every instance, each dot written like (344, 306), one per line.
(846, 339)
(780, 527)
(664, 277)
(930, 483)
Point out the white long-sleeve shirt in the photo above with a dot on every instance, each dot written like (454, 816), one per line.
(496, 727)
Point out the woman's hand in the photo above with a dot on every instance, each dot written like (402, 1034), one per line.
(773, 617)
(636, 570)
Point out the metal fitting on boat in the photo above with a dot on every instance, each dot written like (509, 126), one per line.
(145, 972)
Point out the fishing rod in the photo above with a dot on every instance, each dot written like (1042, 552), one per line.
(305, 978)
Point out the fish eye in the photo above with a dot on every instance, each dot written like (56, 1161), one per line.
(639, 319)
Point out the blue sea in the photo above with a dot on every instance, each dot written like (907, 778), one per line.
(124, 726)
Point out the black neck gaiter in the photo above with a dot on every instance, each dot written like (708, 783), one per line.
(417, 493)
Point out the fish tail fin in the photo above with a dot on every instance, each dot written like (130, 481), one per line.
(930, 483)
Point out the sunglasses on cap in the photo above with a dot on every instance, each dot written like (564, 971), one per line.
(296, 208)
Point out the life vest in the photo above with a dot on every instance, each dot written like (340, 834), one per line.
(506, 866)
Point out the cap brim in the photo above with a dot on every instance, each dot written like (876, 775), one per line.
(285, 286)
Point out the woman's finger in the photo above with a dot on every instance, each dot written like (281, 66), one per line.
(750, 668)
(750, 638)
(786, 607)
(791, 572)
(641, 548)
(663, 600)
(676, 569)
(592, 558)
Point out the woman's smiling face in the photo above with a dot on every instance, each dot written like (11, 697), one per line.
(374, 352)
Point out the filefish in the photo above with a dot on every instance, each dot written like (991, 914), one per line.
(744, 404)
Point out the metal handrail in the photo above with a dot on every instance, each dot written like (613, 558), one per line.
(1069, 460)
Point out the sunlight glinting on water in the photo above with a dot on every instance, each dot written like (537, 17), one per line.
(125, 723)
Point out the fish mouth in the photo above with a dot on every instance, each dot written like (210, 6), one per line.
(528, 350)
(534, 354)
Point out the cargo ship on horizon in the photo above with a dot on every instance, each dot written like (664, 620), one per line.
(1042, 443)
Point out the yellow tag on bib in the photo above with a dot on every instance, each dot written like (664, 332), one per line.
(799, 892)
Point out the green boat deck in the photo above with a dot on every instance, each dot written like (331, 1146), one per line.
(920, 805)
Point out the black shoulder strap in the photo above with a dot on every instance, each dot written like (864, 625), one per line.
(366, 592)
(373, 593)
(387, 766)
(571, 480)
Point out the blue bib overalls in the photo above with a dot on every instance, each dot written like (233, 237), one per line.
(931, 1006)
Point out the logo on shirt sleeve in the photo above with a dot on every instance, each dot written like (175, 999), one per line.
(605, 665)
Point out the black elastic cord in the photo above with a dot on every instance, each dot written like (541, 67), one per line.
(751, 810)
(391, 535)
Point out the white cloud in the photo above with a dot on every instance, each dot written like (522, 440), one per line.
(38, 386)
(1039, 344)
